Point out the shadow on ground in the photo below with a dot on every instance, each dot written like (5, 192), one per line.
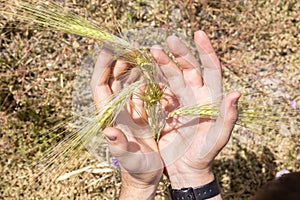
(241, 176)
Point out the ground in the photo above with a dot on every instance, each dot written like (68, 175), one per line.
(258, 45)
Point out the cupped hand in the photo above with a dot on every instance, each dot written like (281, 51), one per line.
(130, 140)
(188, 145)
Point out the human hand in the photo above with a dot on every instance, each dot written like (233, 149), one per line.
(188, 146)
(130, 141)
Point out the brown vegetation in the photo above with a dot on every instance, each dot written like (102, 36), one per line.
(258, 44)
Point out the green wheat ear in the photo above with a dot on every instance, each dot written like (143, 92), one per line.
(85, 136)
(54, 17)
(249, 116)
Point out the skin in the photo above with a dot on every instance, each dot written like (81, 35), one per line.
(130, 150)
(186, 159)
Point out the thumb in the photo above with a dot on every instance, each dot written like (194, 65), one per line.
(119, 146)
(128, 153)
(228, 115)
(220, 132)
(118, 143)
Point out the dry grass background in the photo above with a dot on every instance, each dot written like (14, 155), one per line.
(258, 44)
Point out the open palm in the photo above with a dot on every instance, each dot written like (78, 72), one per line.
(188, 145)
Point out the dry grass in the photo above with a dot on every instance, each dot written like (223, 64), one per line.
(257, 42)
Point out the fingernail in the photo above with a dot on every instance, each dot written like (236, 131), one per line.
(157, 47)
(111, 138)
(235, 102)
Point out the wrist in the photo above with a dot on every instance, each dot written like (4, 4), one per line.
(190, 178)
(133, 193)
(205, 189)
(135, 188)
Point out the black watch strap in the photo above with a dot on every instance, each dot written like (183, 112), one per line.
(198, 193)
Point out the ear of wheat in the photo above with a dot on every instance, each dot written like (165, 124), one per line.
(54, 17)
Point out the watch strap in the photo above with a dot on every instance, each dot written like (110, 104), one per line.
(198, 193)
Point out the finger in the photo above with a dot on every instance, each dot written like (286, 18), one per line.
(169, 69)
(186, 61)
(207, 54)
(169, 101)
(220, 132)
(100, 77)
(117, 141)
(136, 107)
(133, 75)
(210, 63)
(164, 60)
(118, 73)
(119, 69)
(130, 153)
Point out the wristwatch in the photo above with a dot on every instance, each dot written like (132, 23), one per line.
(198, 193)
